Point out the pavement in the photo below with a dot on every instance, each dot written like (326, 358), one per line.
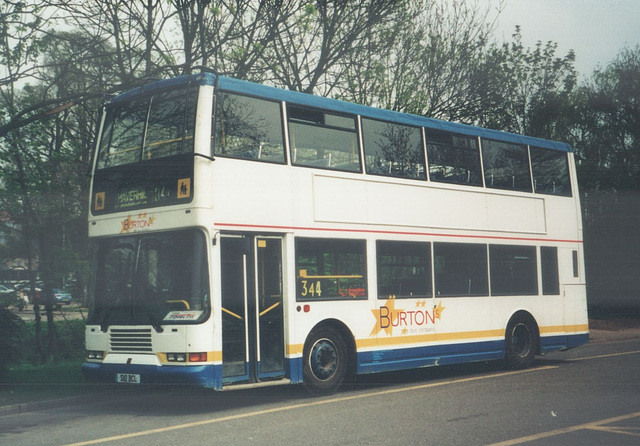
(610, 330)
(600, 331)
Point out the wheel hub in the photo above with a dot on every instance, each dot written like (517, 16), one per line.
(323, 359)
(521, 340)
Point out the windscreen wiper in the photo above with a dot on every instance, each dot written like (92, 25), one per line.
(104, 323)
(155, 323)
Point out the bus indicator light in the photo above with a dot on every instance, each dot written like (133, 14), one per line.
(197, 357)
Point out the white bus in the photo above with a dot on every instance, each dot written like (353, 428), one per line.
(247, 235)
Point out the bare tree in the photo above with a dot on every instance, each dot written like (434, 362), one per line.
(311, 51)
(424, 62)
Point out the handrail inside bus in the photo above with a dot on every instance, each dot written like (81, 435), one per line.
(263, 312)
(231, 313)
(179, 301)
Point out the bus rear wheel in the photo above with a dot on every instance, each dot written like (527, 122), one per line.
(325, 361)
(521, 342)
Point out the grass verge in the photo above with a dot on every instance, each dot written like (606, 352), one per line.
(33, 383)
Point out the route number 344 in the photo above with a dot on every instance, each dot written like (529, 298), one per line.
(311, 288)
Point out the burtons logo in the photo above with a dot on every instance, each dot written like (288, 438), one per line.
(132, 224)
(418, 320)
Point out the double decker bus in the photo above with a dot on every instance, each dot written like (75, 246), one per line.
(246, 235)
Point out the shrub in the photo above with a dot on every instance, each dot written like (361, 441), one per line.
(12, 334)
(70, 334)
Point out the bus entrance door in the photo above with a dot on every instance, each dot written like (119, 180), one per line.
(252, 314)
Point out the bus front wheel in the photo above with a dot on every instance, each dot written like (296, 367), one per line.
(325, 361)
(521, 342)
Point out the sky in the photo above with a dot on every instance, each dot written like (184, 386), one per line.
(595, 29)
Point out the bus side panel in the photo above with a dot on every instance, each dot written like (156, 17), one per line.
(294, 369)
(428, 356)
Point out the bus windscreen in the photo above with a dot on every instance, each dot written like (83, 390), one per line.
(145, 155)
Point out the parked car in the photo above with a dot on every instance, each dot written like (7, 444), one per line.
(8, 296)
(60, 296)
(5, 290)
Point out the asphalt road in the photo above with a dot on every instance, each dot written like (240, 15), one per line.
(586, 396)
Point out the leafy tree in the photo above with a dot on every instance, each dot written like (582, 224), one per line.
(607, 131)
(526, 91)
(606, 136)
(43, 165)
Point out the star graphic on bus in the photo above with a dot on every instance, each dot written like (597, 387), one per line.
(437, 310)
(387, 308)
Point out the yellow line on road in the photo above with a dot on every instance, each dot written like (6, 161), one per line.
(603, 356)
(593, 425)
(618, 430)
(302, 406)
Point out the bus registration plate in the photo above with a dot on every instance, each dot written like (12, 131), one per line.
(127, 378)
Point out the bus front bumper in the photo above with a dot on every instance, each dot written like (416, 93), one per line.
(197, 375)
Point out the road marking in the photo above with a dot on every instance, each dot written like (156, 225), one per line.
(632, 431)
(603, 356)
(594, 425)
(304, 405)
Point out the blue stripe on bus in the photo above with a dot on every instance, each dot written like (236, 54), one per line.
(250, 88)
(304, 99)
(551, 343)
(175, 82)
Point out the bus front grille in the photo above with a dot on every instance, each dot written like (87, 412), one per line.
(133, 340)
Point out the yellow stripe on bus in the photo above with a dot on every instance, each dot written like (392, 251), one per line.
(297, 349)
(565, 329)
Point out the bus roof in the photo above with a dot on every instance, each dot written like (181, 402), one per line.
(329, 104)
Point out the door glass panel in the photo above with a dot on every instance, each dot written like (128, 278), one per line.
(269, 295)
(234, 342)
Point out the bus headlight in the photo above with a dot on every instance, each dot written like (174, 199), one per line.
(183, 357)
(177, 357)
(95, 354)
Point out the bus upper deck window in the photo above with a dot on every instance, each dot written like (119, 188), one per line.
(320, 139)
(249, 128)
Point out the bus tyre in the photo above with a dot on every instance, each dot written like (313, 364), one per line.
(325, 361)
(521, 342)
